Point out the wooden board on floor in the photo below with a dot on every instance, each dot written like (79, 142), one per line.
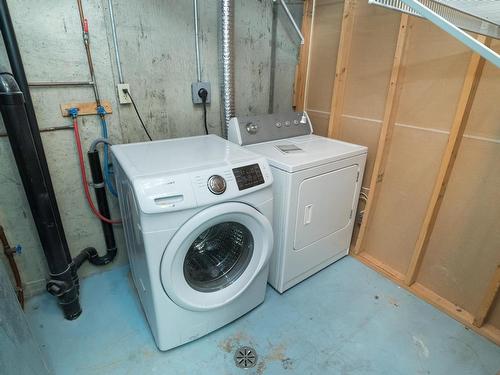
(85, 109)
(456, 312)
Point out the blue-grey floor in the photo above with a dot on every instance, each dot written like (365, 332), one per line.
(345, 320)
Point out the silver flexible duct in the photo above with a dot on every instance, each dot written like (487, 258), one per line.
(226, 63)
(197, 40)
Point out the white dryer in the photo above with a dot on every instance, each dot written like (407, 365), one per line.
(316, 186)
(197, 216)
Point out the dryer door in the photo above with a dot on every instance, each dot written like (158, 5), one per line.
(216, 255)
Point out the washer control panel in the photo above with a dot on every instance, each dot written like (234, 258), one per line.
(162, 193)
(248, 176)
(264, 128)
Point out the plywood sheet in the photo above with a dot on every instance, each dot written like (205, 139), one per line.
(372, 53)
(435, 69)
(326, 34)
(362, 132)
(485, 114)
(411, 169)
(494, 317)
(464, 247)
(319, 122)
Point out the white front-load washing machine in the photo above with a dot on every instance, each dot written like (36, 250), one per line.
(316, 186)
(197, 215)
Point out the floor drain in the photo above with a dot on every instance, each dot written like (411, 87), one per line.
(245, 357)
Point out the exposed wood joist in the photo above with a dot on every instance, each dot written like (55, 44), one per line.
(488, 299)
(302, 71)
(385, 138)
(464, 106)
(339, 84)
(419, 290)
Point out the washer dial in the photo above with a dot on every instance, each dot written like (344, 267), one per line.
(216, 184)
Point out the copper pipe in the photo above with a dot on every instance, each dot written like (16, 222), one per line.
(9, 253)
(86, 42)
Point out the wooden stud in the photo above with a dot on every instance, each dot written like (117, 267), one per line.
(85, 108)
(302, 70)
(488, 300)
(339, 83)
(385, 138)
(465, 102)
(419, 290)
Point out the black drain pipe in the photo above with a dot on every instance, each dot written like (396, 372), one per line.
(26, 154)
(90, 253)
(24, 136)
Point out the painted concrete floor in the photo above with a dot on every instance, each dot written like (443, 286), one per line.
(345, 320)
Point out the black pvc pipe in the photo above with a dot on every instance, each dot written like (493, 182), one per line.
(16, 64)
(102, 204)
(38, 188)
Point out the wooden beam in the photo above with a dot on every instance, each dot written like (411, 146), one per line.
(488, 299)
(339, 83)
(464, 106)
(85, 109)
(302, 70)
(385, 138)
(421, 291)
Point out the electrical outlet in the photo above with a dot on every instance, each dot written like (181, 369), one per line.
(123, 97)
(195, 87)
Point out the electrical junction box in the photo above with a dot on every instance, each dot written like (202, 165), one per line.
(195, 87)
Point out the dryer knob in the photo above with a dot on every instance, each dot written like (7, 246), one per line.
(216, 184)
(252, 128)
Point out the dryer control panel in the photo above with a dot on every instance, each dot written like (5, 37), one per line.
(264, 128)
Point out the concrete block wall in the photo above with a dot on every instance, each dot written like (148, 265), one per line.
(156, 39)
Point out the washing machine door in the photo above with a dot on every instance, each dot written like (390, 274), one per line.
(216, 255)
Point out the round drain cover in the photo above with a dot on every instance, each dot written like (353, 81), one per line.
(245, 357)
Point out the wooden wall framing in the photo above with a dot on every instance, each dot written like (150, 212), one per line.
(301, 73)
(467, 95)
(385, 138)
(343, 55)
(479, 317)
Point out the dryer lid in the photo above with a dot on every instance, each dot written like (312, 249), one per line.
(304, 152)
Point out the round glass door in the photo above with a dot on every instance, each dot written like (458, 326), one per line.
(215, 255)
(218, 256)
